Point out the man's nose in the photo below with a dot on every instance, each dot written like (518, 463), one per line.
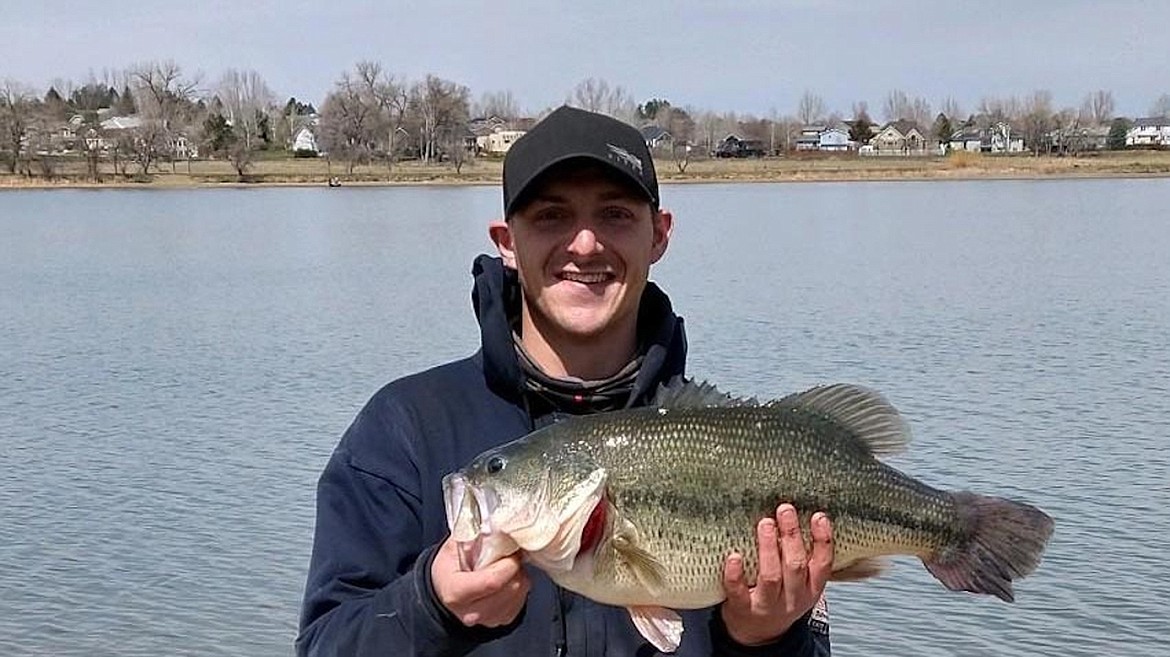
(584, 241)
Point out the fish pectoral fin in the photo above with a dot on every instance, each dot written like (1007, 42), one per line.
(860, 569)
(660, 626)
(647, 569)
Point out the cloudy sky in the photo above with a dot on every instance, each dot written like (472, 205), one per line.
(751, 56)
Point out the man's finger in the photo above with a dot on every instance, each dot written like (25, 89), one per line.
(734, 586)
(770, 580)
(820, 562)
(791, 541)
(476, 585)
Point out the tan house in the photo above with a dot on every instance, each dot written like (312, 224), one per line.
(498, 143)
(899, 138)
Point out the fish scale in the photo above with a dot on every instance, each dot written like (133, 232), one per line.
(678, 486)
(676, 475)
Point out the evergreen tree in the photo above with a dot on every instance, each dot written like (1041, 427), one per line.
(55, 105)
(942, 130)
(861, 130)
(217, 134)
(1117, 129)
(126, 105)
(649, 110)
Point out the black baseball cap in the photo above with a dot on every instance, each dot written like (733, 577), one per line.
(569, 133)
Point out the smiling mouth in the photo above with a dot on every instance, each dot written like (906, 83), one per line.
(587, 278)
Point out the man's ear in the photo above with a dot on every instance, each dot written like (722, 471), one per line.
(501, 235)
(663, 225)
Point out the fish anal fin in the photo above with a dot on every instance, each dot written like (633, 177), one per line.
(643, 565)
(660, 626)
(860, 569)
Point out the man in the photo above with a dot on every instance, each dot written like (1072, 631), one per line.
(569, 324)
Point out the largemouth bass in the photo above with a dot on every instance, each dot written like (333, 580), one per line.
(639, 508)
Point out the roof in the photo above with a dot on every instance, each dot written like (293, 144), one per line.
(122, 123)
(903, 126)
(653, 132)
(1152, 122)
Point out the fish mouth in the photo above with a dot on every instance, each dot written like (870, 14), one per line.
(469, 517)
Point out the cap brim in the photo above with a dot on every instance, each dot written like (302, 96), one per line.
(524, 189)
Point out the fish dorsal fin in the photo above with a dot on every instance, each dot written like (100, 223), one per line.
(682, 393)
(861, 411)
(660, 626)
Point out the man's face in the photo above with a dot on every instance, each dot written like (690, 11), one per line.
(583, 245)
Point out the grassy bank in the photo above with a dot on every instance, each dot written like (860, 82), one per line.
(819, 167)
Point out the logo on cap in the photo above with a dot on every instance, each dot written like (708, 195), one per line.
(626, 157)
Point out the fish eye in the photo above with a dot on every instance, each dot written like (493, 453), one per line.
(495, 464)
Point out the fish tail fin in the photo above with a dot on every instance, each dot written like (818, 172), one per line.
(1000, 541)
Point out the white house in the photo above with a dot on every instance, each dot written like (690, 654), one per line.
(498, 142)
(305, 140)
(1150, 131)
(834, 139)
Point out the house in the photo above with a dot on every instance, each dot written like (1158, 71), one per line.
(900, 137)
(969, 138)
(834, 139)
(656, 136)
(305, 141)
(492, 135)
(1150, 131)
(1078, 138)
(735, 146)
(809, 138)
(997, 138)
(498, 143)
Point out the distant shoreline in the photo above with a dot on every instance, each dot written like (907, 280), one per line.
(798, 168)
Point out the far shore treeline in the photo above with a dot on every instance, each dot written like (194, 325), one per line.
(128, 124)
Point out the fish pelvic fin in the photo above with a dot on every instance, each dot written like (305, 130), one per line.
(645, 567)
(1000, 541)
(860, 410)
(660, 626)
(861, 569)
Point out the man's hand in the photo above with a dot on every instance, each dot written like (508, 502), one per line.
(790, 582)
(491, 597)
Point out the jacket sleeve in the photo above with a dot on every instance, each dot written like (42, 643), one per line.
(368, 590)
(801, 640)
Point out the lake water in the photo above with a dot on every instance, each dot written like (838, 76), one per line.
(176, 366)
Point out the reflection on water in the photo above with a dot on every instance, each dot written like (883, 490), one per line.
(178, 366)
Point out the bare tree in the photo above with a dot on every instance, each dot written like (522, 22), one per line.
(1161, 106)
(1037, 120)
(246, 102)
(145, 144)
(17, 109)
(811, 108)
(498, 103)
(163, 97)
(995, 109)
(440, 108)
(597, 95)
(390, 100)
(1097, 108)
(348, 123)
(953, 111)
(899, 106)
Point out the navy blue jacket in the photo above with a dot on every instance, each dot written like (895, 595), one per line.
(380, 512)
